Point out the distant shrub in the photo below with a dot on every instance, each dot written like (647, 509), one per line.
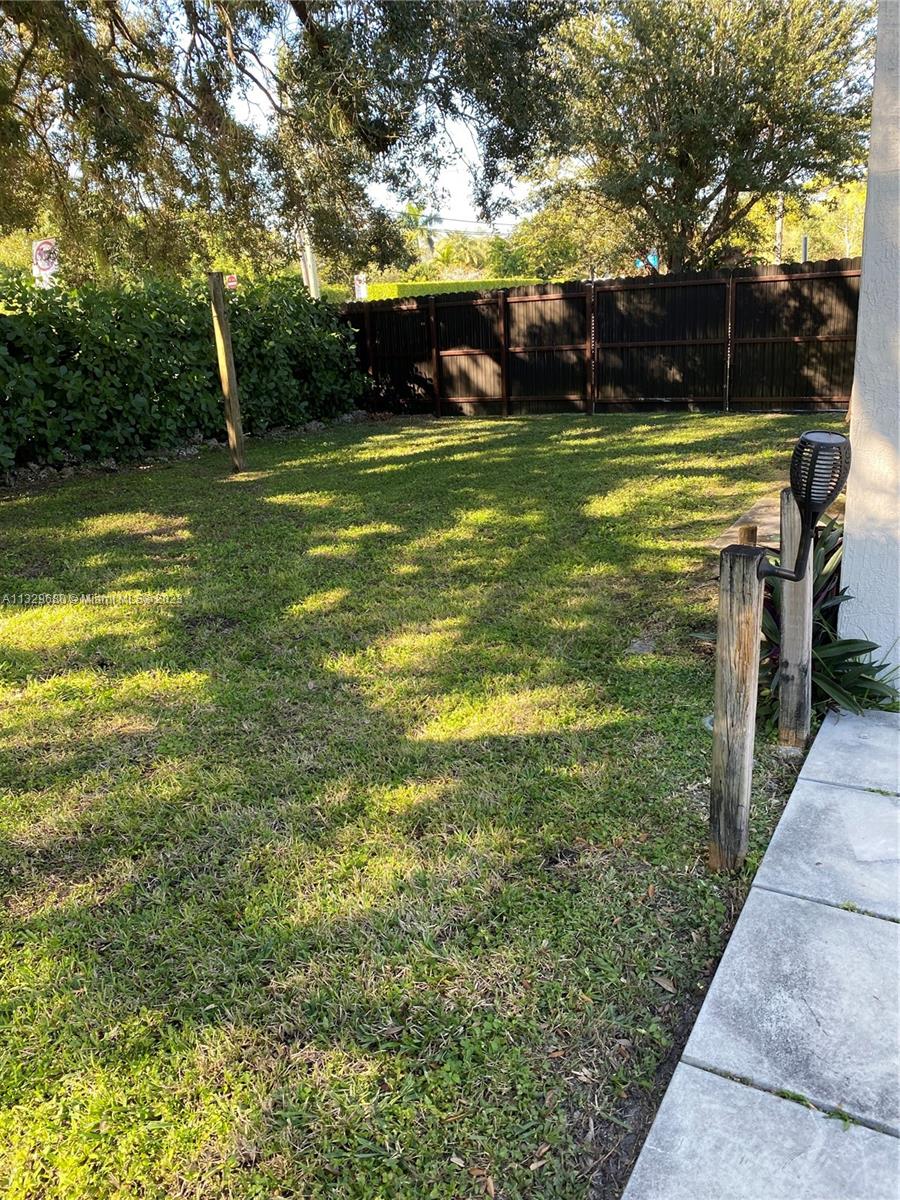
(336, 293)
(394, 291)
(98, 372)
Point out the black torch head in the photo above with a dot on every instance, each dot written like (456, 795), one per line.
(819, 468)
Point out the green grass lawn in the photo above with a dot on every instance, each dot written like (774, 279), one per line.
(362, 859)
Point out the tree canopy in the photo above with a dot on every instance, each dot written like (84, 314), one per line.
(684, 114)
(831, 218)
(143, 130)
(173, 134)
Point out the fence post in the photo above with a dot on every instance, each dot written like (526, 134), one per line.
(227, 372)
(734, 726)
(435, 355)
(729, 343)
(593, 339)
(795, 658)
(503, 332)
(370, 352)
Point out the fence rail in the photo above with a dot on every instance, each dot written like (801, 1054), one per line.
(753, 339)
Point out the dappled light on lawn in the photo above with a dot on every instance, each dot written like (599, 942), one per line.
(351, 841)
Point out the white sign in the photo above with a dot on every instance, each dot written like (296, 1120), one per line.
(360, 287)
(44, 261)
(231, 282)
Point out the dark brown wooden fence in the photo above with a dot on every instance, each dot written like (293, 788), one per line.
(759, 338)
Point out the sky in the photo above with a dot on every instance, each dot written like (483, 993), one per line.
(453, 202)
(454, 199)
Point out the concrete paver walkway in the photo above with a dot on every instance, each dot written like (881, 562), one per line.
(766, 516)
(805, 1006)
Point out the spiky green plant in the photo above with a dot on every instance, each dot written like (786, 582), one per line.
(844, 670)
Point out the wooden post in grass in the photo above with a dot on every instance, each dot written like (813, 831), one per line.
(795, 658)
(227, 373)
(734, 725)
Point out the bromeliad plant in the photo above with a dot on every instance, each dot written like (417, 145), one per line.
(843, 670)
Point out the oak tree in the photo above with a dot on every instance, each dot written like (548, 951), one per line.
(684, 114)
(138, 130)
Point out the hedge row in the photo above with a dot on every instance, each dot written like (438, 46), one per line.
(98, 373)
(393, 291)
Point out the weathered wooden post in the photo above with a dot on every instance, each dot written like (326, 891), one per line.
(819, 466)
(795, 660)
(227, 372)
(734, 727)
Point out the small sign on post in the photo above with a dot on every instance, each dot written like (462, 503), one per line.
(44, 261)
(227, 372)
(360, 287)
(231, 282)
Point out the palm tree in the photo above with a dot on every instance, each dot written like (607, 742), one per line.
(463, 251)
(418, 226)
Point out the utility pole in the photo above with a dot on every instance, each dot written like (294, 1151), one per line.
(308, 264)
(779, 228)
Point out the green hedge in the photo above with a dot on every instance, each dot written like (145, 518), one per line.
(100, 372)
(393, 291)
(336, 293)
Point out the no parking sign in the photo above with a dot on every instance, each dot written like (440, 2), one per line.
(44, 261)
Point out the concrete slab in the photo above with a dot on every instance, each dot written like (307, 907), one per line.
(805, 1000)
(838, 845)
(766, 516)
(855, 752)
(714, 1139)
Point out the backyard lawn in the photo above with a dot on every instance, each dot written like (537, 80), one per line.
(357, 852)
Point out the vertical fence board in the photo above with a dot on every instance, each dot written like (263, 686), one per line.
(763, 338)
(593, 337)
(729, 344)
(503, 327)
(435, 355)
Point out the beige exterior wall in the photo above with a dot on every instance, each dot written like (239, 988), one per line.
(871, 568)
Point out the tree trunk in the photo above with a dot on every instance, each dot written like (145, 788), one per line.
(675, 258)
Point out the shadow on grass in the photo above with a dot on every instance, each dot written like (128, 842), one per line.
(368, 841)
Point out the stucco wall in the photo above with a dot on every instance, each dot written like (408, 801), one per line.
(871, 567)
